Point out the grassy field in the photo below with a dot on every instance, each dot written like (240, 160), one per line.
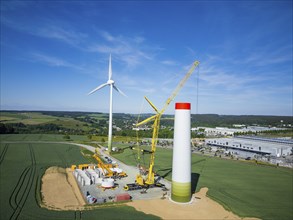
(60, 137)
(22, 166)
(40, 137)
(99, 116)
(35, 118)
(247, 189)
(30, 118)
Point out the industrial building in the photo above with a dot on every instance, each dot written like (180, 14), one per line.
(223, 131)
(273, 147)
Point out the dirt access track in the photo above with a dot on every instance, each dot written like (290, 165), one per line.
(60, 192)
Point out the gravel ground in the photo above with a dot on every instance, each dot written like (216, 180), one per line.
(131, 171)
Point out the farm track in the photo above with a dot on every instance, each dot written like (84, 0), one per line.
(3, 153)
(23, 187)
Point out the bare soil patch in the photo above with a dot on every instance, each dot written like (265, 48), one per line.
(201, 208)
(60, 190)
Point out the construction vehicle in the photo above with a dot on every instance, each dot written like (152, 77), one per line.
(121, 150)
(90, 199)
(149, 180)
(73, 167)
(108, 169)
(83, 166)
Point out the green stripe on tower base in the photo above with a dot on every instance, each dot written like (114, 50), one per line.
(181, 192)
(110, 147)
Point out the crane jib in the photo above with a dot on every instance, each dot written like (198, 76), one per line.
(150, 180)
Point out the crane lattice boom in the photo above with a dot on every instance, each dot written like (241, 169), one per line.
(156, 126)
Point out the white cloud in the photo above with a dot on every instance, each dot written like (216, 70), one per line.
(169, 62)
(245, 87)
(52, 61)
(67, 35)
(266, 56)
(48, 29)
(107, 36)
(132, 51)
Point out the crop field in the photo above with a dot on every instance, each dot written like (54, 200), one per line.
(22, 166)
(99, 116)
(40, 137)
(36, 118)
(247, 189)
(71, 123)
(26, 117)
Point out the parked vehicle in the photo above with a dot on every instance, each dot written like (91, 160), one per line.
(90, 198)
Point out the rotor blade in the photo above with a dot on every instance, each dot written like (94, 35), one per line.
(99, 87)
(118, 90)
(110, 68)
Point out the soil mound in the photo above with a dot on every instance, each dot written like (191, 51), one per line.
(60, 191)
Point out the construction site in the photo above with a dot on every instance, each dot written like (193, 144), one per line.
(112, 181)
(76, 195)
(109, 181)
(89, 178)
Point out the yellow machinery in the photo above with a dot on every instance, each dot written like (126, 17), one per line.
(73, 167)
(150, 178)
(105, 167)
(109, 172)
(82, 166)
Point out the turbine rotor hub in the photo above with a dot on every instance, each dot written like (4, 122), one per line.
(110, 81)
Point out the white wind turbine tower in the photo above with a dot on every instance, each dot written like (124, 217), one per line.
(110, 83)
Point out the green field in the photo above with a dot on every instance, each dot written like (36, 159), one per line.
(36, 118)
(22, 166)
(60, 138)
(40, 137)
(29, 118)
(247, 189)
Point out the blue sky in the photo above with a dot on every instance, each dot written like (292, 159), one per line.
(54, 52)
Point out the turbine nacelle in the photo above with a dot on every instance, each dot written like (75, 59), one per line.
(110, 81)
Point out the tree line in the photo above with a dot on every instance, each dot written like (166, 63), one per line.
(50, 128)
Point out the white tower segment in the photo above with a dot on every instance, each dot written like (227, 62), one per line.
(181, 167)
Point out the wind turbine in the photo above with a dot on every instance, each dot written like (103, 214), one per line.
(110, 83)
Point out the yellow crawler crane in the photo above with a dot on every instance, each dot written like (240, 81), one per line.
(108, 173)
(106, 167)
(150, 178)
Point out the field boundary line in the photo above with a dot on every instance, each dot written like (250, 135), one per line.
(3, 153)
(27, 187)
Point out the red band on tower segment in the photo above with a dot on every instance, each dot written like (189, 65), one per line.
(182, 105)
